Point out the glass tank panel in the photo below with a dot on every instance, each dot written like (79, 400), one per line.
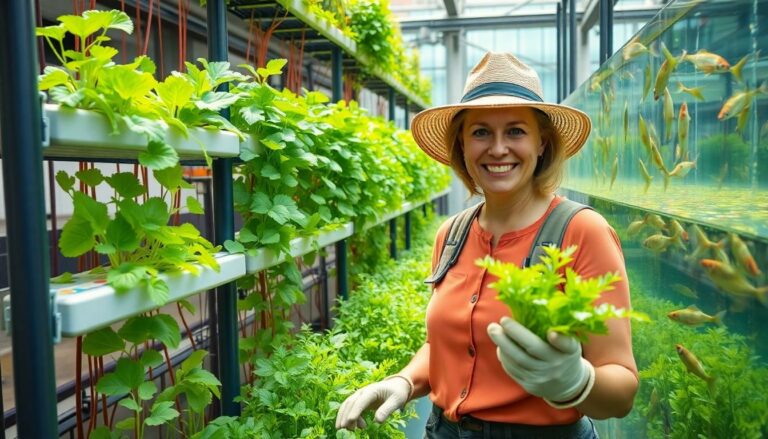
(677, 162)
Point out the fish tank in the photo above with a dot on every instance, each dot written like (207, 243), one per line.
(677, 162)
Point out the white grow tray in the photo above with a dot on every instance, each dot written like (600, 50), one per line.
(81, 133)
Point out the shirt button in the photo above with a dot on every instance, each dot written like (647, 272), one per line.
(474, 298)
(471, 351)
(463, 393)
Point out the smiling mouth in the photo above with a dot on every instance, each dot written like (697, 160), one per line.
(499, 169)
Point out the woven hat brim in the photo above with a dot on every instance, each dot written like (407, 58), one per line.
(430, 126)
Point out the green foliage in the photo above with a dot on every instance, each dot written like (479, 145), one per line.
(137, 239)
(128, 94)
(685, 407)
(193, 383)
(534, 297)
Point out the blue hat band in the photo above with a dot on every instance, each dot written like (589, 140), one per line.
(501, 88)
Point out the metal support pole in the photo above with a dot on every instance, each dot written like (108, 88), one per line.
(407, 123)
(210, 296)
(28, 259)
(393, 238)
(342, 284)
(564, 48)
(407, 230)
(337, 69)
(558, 36)
(606, 30)
(226, 295)
(572, 48)
(391, 99)
(325, 317)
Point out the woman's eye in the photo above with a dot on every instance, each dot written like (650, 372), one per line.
(516, 131)
(480, 132)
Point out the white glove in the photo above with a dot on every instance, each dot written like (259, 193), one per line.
(387, 395)
(554, 371)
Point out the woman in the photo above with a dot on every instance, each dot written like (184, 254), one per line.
(487, 375)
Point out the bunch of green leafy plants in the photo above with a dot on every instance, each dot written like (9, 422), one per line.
(128, 94)
(533, 295)
(193, 389)
(137, 240)
(683, 405)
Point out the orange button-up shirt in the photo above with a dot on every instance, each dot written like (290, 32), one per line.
(465, 376)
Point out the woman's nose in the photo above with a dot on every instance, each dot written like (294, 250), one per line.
(499, 147)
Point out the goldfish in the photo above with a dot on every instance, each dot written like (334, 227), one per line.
(685, 291)
(659, 162)
(633, 49)
(614, 170)
(626, 121)
(708, 62)
(730, 281)
(646, 176)
(694, 366)
(607, 96)
(645, 135)
(635, 227)
(682, 169)
(705, 247)
(669, 115)
(693, 316)
(597, 80)
(683, 123)
(667, 67)
(693, 91)
(655, 221)
(677, 229)
(646, 81)
(742, 255)
(658, 242)
(736, 69)
(739, 105)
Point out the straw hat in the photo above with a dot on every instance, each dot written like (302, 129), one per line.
(499, 80)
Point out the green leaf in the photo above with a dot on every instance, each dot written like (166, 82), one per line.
(102, 342)
(91, 210)
(126, 184)
(121, 235)
(151, 128)
(147, 390)
(151, 358)
(127, 424)
(76, 237)
(161, 413)
(198, 397)
(194, 206)
(253, 114)
(261, 203)
(270, 172)
(105, 249)
(155, 212)
(66, 97)
(130, 404)
(157, 290)
(216, 100)
(111, 385)
(65, 181)
(55, 32)
(101, 432)
(166, 330)
(172, 178)
(52, 77)
(234, 246)
(186, 304)
(63, 278)
(270, 236)
(175, 92)
(90, 177)
(159, 155)
(195, 359)
(126, 276)
(137, 329)
(275, 66)
(130, 372)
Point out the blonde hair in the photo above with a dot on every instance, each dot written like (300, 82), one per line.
(549, 168)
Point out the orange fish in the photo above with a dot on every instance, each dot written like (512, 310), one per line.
(658, 242)
(693, 316)
(707, 62)
(683, 123)
(693, 91)
(635, 227)
(682, 169)
(730, 281)
(743, 256)
(694, 366)
(739, 105)
(667, 67)
(677, 229)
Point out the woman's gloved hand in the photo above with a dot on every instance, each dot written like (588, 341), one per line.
(387, 396)
(554, 371)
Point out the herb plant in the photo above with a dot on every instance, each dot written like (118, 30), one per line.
(138, 241)
(534, 297)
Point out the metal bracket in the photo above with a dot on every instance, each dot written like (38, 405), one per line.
(55, 317)
(45, 124)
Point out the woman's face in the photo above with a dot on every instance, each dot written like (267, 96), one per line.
(501, 147)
